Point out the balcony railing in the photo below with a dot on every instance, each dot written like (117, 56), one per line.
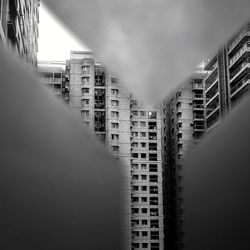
(198, 106)
(211, 100)
(245, 81)
(245, 32)
(199, 96)
(197, 86)
(211, 78)
(198, 116)
(211, 110)
(244, 49)
(238, 69)
(199, 127)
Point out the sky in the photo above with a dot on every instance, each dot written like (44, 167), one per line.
(55, 42)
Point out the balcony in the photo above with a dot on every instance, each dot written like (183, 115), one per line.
(198, 128)
(197, 86)
(241, 54)
(239, 40)
(198, 97)
(212, 111)
(240, 85)
(244, 67)
(211, 63)
(209, 101)
(198, 117)
(179, 141)
(198, 107)
(211, 78)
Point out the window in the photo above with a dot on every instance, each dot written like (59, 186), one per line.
(143, 166)
(143, 155)
(135, 222)
(134, 123)
(143, 124)
(153, 168)
(144, 199)
(114, 114)
(144, 177)
(179, 114)
(114, 91)
(143, 134)
(135, 245)
(134, 134)
(114, 125)
(152, 136)
(152, 125)
(144, 188)
(178, 104)
(179, 135)
(134, 113)
(85, 101)
(135, 188)
(154, 223)
(135, 199)
(85, 90)
(134, 145)
(85, 113)
(135, 166)
(135, 233)
(115, 137)
(142, 113)
(135, 210)
(100, 121)
(153, 190)
(135, 155)
(144, 222)
(144, 233)
(152, 157)
(144, 245)
(85, 69)
(85, 80)
(114, 80)
(99, 76)
(152, 115)
(153, 178)
(179, 125)
(135, 177)
(154, 235)
(152, 146)
(153, 200)
(114, 103)
(143, 144)
(178, 94)
(99, 98)
(115, 148)
(154, 212)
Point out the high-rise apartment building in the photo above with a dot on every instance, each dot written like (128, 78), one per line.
(196, 108)
(182, 127)
(53, 75)
(19, 27)
(227, 82)
(133, 135)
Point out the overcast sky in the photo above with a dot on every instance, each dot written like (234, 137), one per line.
(55, 41)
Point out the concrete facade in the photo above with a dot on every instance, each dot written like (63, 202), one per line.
(132, 133)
